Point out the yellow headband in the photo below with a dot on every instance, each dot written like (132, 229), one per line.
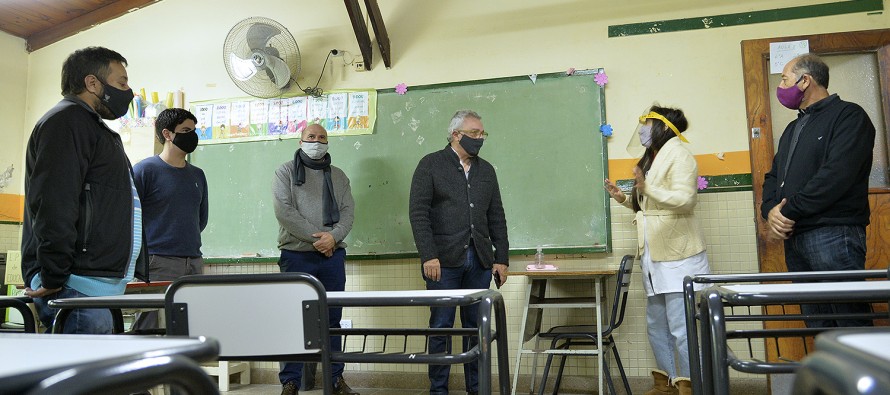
(655, 115)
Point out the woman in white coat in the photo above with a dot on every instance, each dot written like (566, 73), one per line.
(670, 241)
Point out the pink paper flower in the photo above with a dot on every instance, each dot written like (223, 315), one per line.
(401, 88)
(702, 183)
(601, 78)
(570, 71)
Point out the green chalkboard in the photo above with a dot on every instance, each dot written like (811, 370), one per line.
(545, 143)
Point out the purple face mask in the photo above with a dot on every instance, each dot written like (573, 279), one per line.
(791, 96)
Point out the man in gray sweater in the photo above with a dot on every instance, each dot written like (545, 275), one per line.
(460, 232)
(315, 210)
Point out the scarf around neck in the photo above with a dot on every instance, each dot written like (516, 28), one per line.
(330, 212)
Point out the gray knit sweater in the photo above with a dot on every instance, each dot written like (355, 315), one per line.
(299, 208)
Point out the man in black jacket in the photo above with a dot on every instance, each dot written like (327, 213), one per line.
(460, 232)
(82, 233)
(815, 197)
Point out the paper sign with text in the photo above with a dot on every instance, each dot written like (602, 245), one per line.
(781, 53)
(14, 268)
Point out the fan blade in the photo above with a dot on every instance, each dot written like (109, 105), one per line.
(259, 34)
(278, 71)
(242, 69)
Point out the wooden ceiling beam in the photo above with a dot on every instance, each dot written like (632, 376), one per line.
(379, 31)
(84, 22)
(361, 30)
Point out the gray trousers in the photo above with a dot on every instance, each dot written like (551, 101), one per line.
(166, 268)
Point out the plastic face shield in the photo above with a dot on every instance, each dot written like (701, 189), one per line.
(635, 148)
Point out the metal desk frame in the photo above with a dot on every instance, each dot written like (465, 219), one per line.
(491, 306)
(692, 306)
(716, 358)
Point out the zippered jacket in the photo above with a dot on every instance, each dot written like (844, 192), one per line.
(78, 199)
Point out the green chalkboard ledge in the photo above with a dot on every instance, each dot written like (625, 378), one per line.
(724, 183)
(594, 249)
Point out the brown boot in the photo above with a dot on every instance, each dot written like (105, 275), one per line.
(662, 384)
(683, 385)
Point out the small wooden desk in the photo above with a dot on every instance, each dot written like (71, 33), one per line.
(30, 358)
(536, 300)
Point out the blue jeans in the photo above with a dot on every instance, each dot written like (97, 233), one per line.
(829, 248)
(332, 274)
(469, 276)
(81, 321)
(666, 321)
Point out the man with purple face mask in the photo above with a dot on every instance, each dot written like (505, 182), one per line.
(815, 196)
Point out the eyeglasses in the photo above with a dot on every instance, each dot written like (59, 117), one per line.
(473, 133)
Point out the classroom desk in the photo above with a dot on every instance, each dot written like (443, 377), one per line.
(536, 300)
(847, 361)
(30, 358)
(491, 306)
(131, 299)
(714, 351)
(19, 303)
(692, 317)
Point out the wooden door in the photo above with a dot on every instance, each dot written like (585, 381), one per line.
(762, 138)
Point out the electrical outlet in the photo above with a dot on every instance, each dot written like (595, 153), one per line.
(360, 66)
(346, 323)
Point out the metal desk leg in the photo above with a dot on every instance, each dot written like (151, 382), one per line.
(717, 328)
(483, 320)
(500, 320)
(521, 340)
(692, 336)
(599, 325)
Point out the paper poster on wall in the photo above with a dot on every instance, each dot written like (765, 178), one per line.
(781, 53)
(259, 117)
(337, 112)
(341, 112)
(240, 119)
(204, 113)
(296, 115)
(220, 121)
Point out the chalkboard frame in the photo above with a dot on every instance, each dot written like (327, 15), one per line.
(604, 248)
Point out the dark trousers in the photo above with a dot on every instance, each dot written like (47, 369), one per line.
(469, 276)
(331, 272)
(829, 248)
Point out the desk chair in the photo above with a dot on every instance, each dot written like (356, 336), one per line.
(255, 317)
(19, 303)
(567, 336)
(120, 376)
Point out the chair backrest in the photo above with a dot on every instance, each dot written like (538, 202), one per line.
(622, 286)
(269, 317)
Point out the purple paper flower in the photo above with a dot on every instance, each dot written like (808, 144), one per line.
(401, 88)
(601, 78)
(606, 129)
(702, 183)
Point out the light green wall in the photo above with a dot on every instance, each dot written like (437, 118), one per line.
(178, 43)
(13, 80)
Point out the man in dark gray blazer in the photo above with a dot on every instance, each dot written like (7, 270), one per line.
(460, 231)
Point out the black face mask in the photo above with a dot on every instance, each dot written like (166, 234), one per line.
(116, 101)
(187, 142)
(471, 145)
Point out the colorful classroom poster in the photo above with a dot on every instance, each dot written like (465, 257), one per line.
(221, 120)
(296, 115)
(204, 113)
(277, 117)
(337, 110)
(358, 111)
(318, 110)
(341, 112)
(240, 119)
(259, 117)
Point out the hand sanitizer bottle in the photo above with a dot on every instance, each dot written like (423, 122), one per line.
(539, 259)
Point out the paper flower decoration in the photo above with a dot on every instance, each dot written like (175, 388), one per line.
(570, 71)
(702, 183)
(401, 88)
(601, 78)
(606, 129)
